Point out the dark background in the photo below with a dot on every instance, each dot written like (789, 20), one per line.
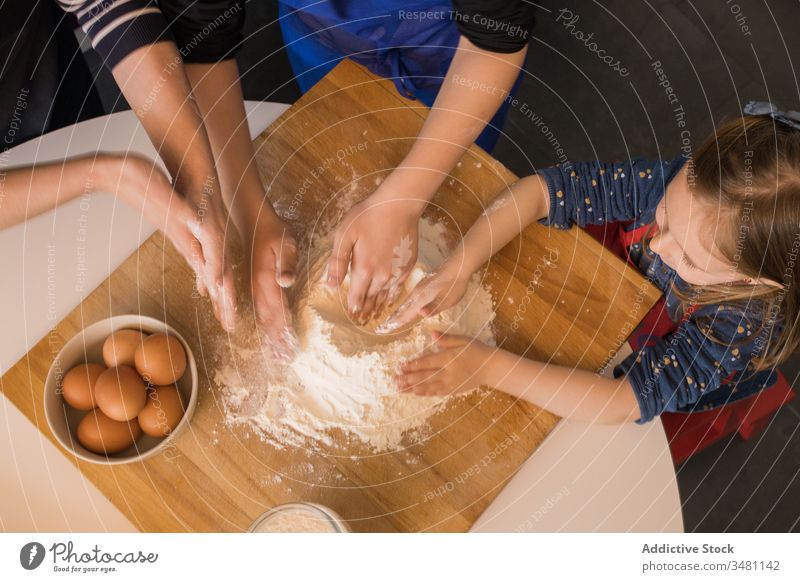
(714, 68)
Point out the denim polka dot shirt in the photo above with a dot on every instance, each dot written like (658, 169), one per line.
(706, 361)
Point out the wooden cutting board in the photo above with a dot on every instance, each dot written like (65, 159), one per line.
(329, 149)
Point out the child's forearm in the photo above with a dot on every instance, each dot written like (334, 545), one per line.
(476, 84)
(153, 80)
(219, 97)
(566, 392)
(512, 211)
(29, 191)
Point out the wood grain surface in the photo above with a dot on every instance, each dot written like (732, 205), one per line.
(327, 151)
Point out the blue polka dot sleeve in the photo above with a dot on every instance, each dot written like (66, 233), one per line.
(680, 368)
(599, 192)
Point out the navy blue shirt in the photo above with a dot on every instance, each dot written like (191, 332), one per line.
(706, 361)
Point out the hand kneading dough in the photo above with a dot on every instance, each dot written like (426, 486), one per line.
(313, 298)
(343, 376)
(341, 382)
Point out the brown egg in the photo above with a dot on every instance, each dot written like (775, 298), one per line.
(100, 434)
(161, 359)
(120, 347)
(163, 411)
(120, 393)
(79, 384)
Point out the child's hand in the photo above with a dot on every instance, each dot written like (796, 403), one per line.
(377, 241)
(435, 293)
(461, 364)
(209, 226)
(143, 185)
(270, 260)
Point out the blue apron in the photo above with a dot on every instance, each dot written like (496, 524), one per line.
(414, 53)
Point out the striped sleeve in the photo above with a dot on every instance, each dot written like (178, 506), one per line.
(116, 28)
(205, 31)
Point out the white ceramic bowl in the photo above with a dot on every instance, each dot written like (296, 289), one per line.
(87, 346)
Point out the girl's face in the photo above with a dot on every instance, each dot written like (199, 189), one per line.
(687, 229)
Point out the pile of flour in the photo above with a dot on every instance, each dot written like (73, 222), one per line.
(295, 520)
(342, 378)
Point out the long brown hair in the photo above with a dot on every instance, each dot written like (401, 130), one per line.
(749, 169)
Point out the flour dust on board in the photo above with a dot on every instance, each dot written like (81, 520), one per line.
(342, 376)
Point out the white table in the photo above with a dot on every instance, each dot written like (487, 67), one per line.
(582, 478)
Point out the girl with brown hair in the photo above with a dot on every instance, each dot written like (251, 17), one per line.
(719, 234)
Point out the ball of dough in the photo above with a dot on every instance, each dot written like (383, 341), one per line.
(313, 298)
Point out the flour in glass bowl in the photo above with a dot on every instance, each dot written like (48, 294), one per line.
(342, 377)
